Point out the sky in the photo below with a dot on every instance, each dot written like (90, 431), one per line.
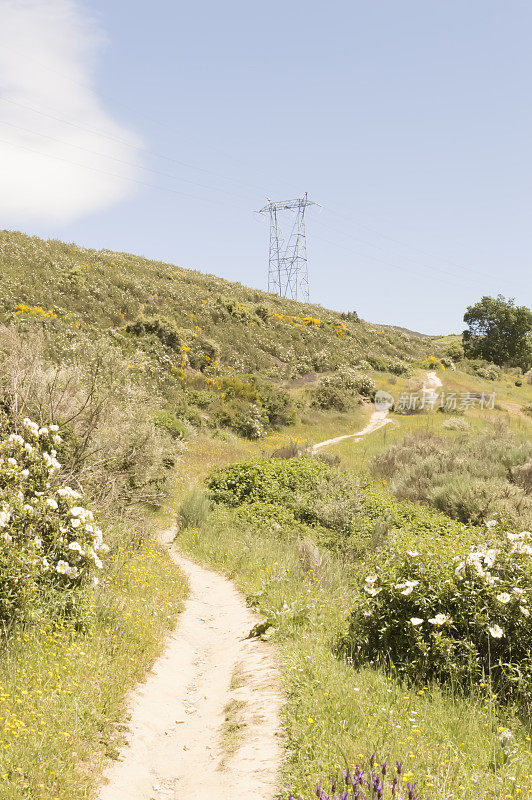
(161, 128)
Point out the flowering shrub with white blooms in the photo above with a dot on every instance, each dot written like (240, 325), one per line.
(50, 547)
(454, 612)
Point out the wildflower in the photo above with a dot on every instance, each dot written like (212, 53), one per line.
(524, 611)
(51, 503)
(372, 591)
(371, 579)
(412, 553)
(29, 448)
(75, 522)
(504, 597)
(62, 567)
(5, 516)
(16, 439)
(519, 592)
(54, 428)
(12, 462)
(496, 631)
(66, 491)
(76, 547)
(491, 523)
(416, 620)
(439, 619)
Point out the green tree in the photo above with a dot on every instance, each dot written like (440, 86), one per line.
(499, 331)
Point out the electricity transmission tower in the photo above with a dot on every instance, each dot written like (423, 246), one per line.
(288, 271)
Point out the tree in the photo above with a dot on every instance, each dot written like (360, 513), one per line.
(499, 331)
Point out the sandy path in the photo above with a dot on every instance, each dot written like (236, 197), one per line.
(432, 382)
(175, 747)
(377, 420)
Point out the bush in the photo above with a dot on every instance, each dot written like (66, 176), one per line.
(458, 615)
(456, 424)
(331, 397)
(194, 509)
(466, 476)
(171, 424)
(165, 330)
(50, 547)
(398, 367)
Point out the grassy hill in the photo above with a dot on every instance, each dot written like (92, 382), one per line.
(168, 392)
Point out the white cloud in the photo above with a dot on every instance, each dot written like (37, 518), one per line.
(47, 51)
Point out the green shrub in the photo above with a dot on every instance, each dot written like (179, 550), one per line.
(50, 547)
(165, 330)
(171, 424)
(458, 615)
(332, 397)
(398, 367)
(194, 509)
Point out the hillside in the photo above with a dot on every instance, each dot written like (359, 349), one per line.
(187, 415)
(243, 328)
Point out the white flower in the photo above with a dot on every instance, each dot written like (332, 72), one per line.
(522, 549)
(37, 542)
(496, 631)
(5, 516)
(416, 620)
(51, 503)
(67, 491)
(7, 537)
(489, 558)
(372, 591)
(412, 553)
(371, 579)
(54, 428)
(43, 431)
(32, 426)
(12, 462)
(94, 582)
(99, 564)
(77, 548)
(56, 439)
(63, 567)
(524, 611)
(513, 537)
(504, 597)
(29, 448)
(105, 548)
(75, 522)
(16, 439)
(439, 619)
(25, 473)
(45, 563)
(519, 592)
(408, 590)
(28, 508)
(491, 523)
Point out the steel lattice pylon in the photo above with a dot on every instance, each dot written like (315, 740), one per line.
(288, 270)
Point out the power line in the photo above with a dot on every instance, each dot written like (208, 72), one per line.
(120, 160)
(114, 175)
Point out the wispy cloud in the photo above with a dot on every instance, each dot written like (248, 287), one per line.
(51, 171)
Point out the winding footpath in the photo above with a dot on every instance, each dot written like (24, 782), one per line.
(176, 744)
(175, 737)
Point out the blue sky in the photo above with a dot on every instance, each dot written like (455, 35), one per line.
(410, 123)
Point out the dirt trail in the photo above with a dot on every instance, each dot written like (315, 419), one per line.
(175, 739)
(379, 418)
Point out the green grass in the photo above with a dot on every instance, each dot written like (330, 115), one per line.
(62, 691)
(336, 715)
